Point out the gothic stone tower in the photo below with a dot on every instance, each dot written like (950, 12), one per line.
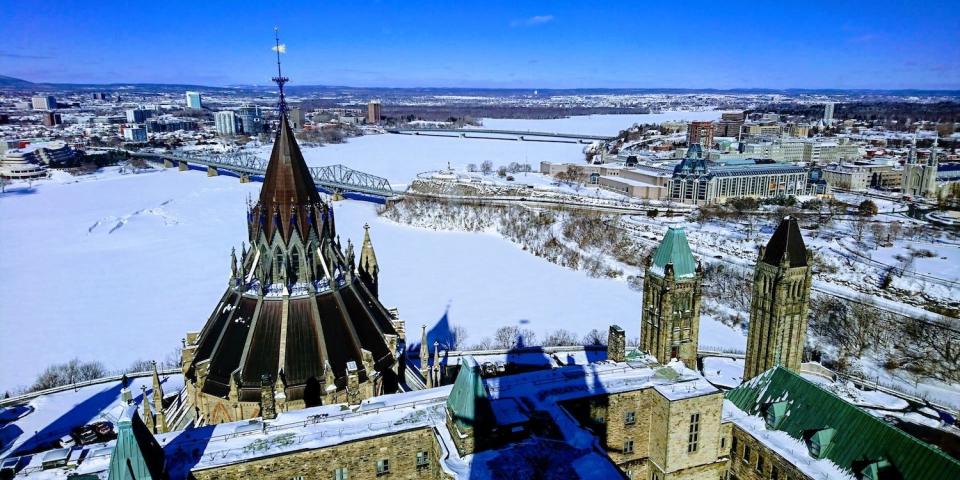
(671, 301)
(920, 178)
(781, 299)
(296, 317)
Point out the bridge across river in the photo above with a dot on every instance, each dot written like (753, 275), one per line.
(483, 133)
(334, 178)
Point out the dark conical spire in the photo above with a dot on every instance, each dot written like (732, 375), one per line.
(786, 244)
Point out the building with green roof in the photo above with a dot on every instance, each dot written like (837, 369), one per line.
(794, 425)
(671, 301)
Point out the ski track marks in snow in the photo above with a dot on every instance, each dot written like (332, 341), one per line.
(118, 222)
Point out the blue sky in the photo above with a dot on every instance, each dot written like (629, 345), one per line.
(526, 44)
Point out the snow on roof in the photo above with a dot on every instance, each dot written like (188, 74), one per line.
(791, 449)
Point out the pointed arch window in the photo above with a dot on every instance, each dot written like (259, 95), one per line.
(295, 263)
(278, 261)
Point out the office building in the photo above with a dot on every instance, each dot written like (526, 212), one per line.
(251, 119)
(297, 118)
(136, 115)
(44, 103)
(227, 123)
(193, 101)
(729, 124)
(51, 119)
(373, 112)
(699, 181)
(700, 132)
(828, 113)
(135, 134)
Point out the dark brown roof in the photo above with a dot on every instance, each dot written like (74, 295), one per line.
(287, 187)
(786, 242)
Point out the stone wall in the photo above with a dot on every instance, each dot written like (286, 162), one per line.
(359, 458)
(659, 430)
(742, 468)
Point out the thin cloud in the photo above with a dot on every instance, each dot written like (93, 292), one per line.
(865, 38)
(23, 56)
(532, 21)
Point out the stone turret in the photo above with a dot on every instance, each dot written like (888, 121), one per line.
(369, 269)
(161, 422)
(425, 356)
(781, 300)
(671, 301)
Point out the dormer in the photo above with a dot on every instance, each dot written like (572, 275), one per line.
(819, 441)
(774, 413)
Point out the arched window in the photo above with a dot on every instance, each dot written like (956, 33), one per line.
(278, 262)
(295, 263)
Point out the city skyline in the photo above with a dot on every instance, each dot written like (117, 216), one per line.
(493, 45)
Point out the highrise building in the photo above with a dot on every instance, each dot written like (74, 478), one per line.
(781, 300)
(227, 123)
(828, 113)
(700, 132)
(51, 119)
(136, 115)
(297, 118)
(729, 124)
(373, 112)
(41, 102)
(193, 100)
(671, 301)
(135, 133)
(251, 119)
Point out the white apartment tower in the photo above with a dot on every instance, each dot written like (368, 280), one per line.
(193, 100)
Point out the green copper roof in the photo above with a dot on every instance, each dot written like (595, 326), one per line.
(858, 441)
(675, 250)
(136, 455)
(469, 401)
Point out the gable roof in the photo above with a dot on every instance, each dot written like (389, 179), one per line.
(786, 242)
(860, 438)
(136, 455)
(675, 250)
(469, 401)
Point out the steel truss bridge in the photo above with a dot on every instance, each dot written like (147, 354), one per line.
(334, 178)
(517, 134)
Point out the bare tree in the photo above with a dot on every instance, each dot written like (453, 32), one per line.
(595, 337)
(68, 373)
(559, 338)
(879, 233)
(858, 225)
(471, 167)
(458, 337)
(486, 167)
(505, 337)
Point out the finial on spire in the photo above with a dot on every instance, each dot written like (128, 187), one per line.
(280, 79)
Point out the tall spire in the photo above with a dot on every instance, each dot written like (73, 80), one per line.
(280, 79)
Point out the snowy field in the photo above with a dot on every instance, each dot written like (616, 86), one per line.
(101, 264)
(594, 124)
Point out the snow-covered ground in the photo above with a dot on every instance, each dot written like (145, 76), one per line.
(54, 415)
(93, 266)
(594, 124)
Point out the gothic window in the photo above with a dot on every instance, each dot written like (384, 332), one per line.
(278, 262)
(295, 263)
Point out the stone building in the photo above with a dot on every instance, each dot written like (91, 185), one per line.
(298, 318)
(920, 178)
(781, 299)
(671, 301)
(783, 426)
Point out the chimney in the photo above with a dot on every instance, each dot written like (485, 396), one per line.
(616, 344)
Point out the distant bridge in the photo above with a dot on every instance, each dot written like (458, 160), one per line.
(482, 133)
(334, 178)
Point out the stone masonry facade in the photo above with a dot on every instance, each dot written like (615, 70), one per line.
(360, 459)
(751, 460)
(778, 318)
(646, 434)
